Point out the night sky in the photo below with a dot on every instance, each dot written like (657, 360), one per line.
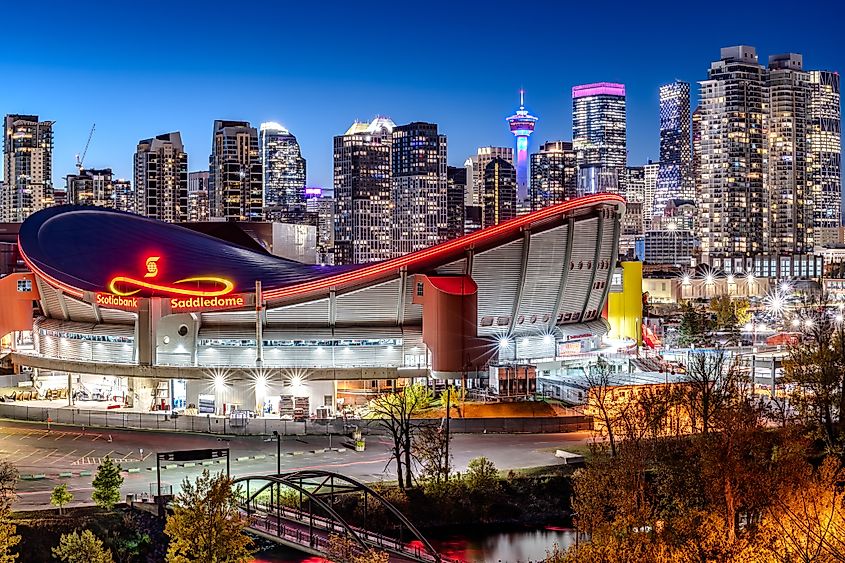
(139, 69)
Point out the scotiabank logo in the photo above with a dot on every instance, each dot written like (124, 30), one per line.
(116, 301)
(193, 286)
(193, 303)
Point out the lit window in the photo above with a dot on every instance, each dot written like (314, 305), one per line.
(24, 286)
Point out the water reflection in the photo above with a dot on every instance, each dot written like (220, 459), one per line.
(502, 547)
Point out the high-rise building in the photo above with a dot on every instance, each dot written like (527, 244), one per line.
(91, 186)
(696, 153)
(554, 174)
(599, 135)
(27, 167)
(235, 190)
(732, 156)
(674, 179)
(824, 155)
(161, 178)
(651, 172)
(198, 196)
(362, 192)
(322, 207)
(789, 202)
(522, 126)
(499, 201)
(418, 187)
(124, 196)
(283, 174)
(456, 188)
(483, 156)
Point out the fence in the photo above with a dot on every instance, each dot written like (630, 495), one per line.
(266, 426)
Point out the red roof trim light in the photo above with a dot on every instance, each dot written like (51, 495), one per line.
(444, 249)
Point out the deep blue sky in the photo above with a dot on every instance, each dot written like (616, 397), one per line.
(138, 69)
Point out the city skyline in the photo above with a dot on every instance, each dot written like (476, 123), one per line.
(297, 94)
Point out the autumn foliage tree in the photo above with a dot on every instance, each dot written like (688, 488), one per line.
(395, 412)
(9, 538)
(206, 525)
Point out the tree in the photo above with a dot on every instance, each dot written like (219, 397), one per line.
(206, 525)
(816, 366)
(429, 448)
(695, 326)
(394, 412)
(60, 496)
(713, 382)
(601, 402)
(481, 476)
(730, 313)
(8, 531)
(82, 547)
(107, 483)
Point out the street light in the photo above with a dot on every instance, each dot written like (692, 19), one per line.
(278, 452)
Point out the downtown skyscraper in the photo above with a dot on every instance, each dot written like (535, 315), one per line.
(824, 155)
(283, 174)
(500, 192)
(161, 178)
(235, 186)
(674, 179)
(362, 192)
(599, 135)
(789, 202)
(732, 202)
(418, 187)
(554, 174)
(27, 167)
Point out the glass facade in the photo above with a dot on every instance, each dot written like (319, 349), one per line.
(824, 155)
(235, 186)
(599, 133)
(161, 178)
(362, 192)
(27, 167)
(674, 178)
(554, 174)
(283, 174)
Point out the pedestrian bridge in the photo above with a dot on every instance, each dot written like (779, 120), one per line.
(297, 509)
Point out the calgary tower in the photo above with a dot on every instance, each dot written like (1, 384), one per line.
(522, 125)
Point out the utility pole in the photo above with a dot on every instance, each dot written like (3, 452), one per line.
(448, 416)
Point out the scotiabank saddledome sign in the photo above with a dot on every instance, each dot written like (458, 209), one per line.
(186, 294)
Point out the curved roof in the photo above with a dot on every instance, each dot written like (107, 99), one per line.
(81, 249)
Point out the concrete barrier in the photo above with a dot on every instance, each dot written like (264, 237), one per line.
(208, 424)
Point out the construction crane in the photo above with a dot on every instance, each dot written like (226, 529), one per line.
(81, 158)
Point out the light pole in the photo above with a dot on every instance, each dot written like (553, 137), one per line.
(278, 452)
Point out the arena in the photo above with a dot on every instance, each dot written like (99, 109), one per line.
(152, 316)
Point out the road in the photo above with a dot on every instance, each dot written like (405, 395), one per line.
(75, 452)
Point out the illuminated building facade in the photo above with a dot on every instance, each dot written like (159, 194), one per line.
(456, 188)
(674, 178)
(91, 187)
(161, 178)
(824, 155)
(483, 156)
(522, 126)
(109, 308)
(27, 167)
(790, 205)
(124, 195)
(554, 174)
(198, 196)
(235, 186)
(362, 192)
(418, 187)
(500, 192)
(599, 135)
(732, 202)
(283, 173)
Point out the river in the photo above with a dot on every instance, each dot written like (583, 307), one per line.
(499, 547)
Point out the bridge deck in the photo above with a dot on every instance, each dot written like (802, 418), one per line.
(311, 534)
